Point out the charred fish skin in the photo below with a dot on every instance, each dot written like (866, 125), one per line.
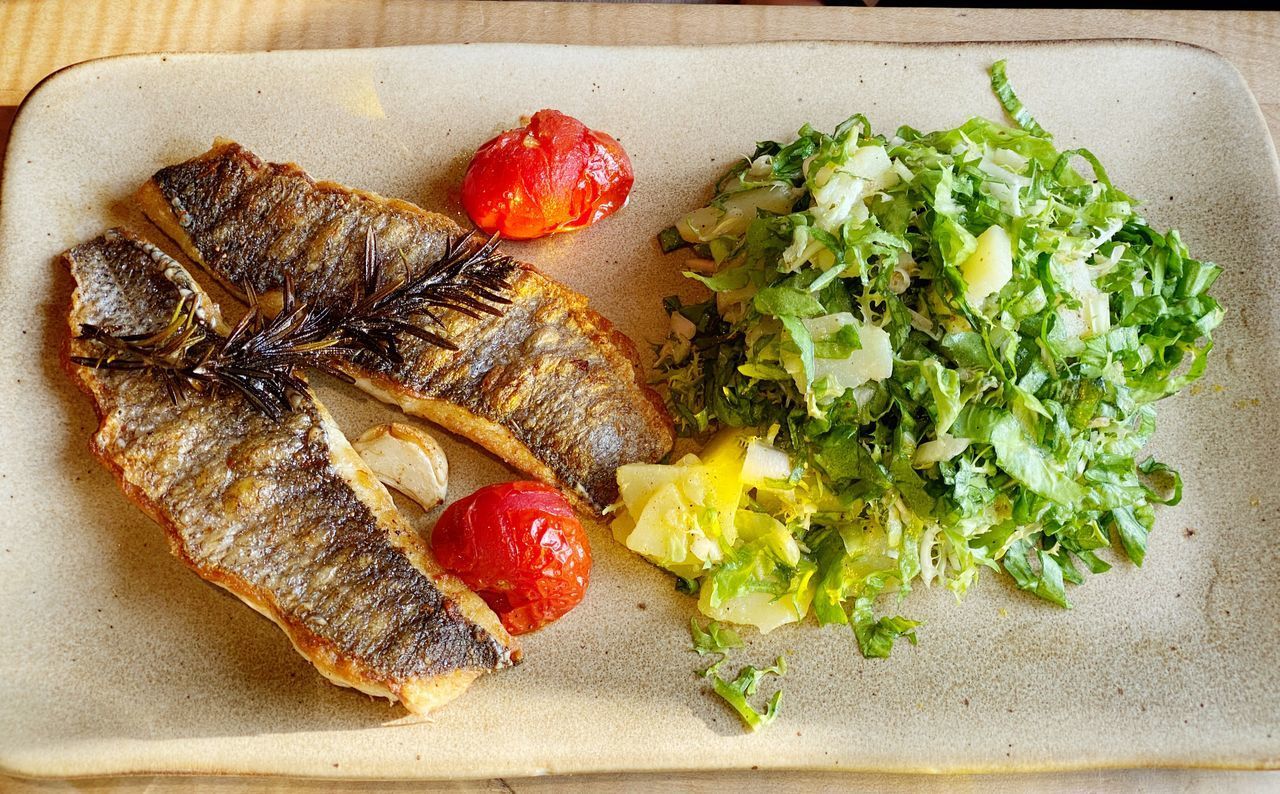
(283, 514)
(550, 385)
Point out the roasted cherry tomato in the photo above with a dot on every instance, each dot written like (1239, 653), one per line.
(554, 175)
(520, 547)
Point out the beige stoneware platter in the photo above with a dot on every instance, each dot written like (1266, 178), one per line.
(115, 659)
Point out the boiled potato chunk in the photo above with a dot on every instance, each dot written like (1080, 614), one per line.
(663, 532)
(763, 463)
(872, 361)
(681, 516)
(763, 610)
(736, 212)
(990, 266)
(722, 461)
(637, 483)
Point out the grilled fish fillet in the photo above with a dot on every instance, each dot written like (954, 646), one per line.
(550, 386)
(283, 514)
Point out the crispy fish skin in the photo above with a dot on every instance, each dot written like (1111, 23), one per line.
(284, 515)
(550, 386)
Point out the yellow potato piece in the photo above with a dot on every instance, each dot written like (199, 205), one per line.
(990, 266)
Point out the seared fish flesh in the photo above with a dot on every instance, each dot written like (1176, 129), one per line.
(550, 385)
(283, 514)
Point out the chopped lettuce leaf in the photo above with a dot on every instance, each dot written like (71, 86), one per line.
(876, 636)
(787, 302)
(715, 638)
(1009, 100)
(745, 685)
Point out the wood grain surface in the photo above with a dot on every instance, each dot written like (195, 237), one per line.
(38, 37)
(1156, 781)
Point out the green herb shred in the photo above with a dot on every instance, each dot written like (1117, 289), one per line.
(736, 692)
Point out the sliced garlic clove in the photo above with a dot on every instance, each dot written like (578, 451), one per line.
(408, 460)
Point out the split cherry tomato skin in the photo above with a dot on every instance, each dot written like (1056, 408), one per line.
(520, 547)
(553, 175)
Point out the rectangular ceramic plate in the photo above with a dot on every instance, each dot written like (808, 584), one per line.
(116, 659)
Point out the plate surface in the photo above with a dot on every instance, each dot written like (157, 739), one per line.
(116, 659)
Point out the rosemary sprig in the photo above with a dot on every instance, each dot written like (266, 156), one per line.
(262, 355)
(467, 281)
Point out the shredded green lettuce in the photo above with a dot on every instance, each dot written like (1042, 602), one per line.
(715, 638)
(958, 339)
(745, 685)
(1010, 102)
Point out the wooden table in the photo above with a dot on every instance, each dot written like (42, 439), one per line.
(40, 36)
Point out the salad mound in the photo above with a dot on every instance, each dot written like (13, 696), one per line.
(925, 354)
